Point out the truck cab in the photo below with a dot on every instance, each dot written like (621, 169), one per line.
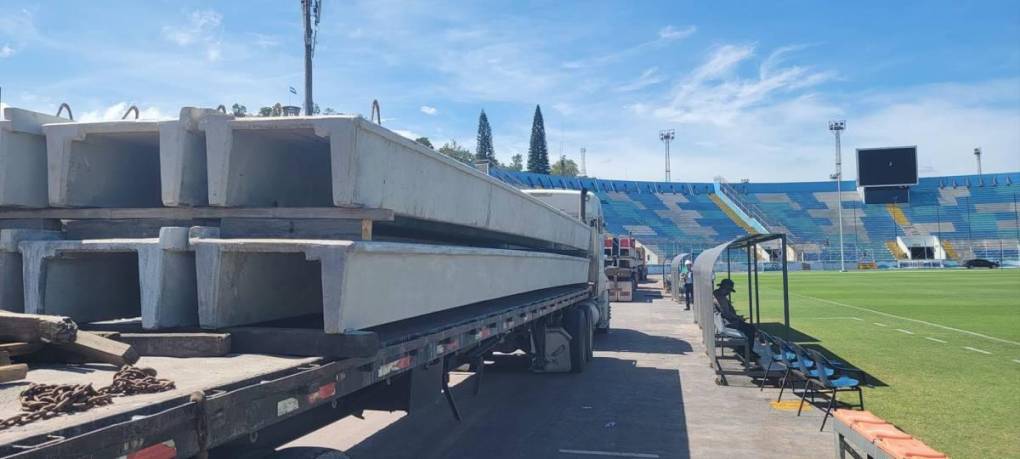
(569, 202)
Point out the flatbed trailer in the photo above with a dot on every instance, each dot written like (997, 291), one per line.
(244, 404)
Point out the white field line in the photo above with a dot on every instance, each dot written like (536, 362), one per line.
(880, 325)
(977, 350)
(607, 453)
(934, 339)
(958, 330)
(904, 331)
(1016, 360)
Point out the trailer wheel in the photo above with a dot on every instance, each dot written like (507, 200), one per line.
(575, 322)
(589, 336)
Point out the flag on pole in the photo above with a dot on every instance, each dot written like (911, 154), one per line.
(292, 90)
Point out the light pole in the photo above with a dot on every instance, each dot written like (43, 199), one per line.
(837, 127)
(667, 136)
(584, 168)
(311, 12)
(977, 156)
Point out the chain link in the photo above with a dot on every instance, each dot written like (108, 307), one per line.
(44, 401)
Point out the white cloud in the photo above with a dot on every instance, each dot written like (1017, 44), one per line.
(649, 77)
(116, 112)
(6, 51)
(201, 29)
(666, 35)
(428, 110)
(671, 33)
(715, 93)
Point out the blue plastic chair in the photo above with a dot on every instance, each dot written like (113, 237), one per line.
(830, 380)
(769, 356)
(790, 356)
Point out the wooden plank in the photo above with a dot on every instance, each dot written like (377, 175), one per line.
(14, 372)
(306, 342)
(34, 328)
(19, 349)
(95, 348)
(190, 213)
(178, 344)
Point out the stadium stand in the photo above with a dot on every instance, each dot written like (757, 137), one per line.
(973, 216)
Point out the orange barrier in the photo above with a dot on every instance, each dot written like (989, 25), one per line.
(867, 433)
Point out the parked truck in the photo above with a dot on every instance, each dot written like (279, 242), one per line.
(625, 266)
(246, 403)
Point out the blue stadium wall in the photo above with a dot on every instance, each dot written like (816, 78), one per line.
(974, 216)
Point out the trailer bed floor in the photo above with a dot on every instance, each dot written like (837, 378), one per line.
(189, 375)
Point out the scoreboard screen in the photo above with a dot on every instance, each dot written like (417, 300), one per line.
(886, 166)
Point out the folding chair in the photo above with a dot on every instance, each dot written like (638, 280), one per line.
(831, 380)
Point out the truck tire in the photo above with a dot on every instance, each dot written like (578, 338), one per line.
(574, 322)
(589, 336)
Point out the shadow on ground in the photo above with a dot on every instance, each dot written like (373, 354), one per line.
(810, 342)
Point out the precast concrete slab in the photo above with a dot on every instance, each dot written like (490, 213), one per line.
(103, 164)
(182, 158)
(359, 284)
(12, 296)
(23, 158)
(106, 279)
(350, 162)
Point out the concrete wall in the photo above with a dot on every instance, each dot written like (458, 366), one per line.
(361, 284)
(103, 164)
(23, 158)
(182, 158)
(12, 295)
(105, 279)
(285, 161)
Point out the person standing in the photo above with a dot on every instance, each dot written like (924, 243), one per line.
(688, 285)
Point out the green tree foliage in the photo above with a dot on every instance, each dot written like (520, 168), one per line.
(425, 141)
(484, 150)
(275, 110)
(239, 110)
(538, 152)
(516, 162)
(456, 151)
(565, 167)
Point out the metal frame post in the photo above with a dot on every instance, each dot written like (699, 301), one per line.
(750, 298)
(757, 298)
(786, 290)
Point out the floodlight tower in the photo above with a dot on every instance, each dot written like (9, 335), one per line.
(977, 156)
(837, 127)
(667, 136)
(584, 168)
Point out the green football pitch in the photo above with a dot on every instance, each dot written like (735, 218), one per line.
(942, 346)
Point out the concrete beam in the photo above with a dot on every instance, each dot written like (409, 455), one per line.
(182, 158)
(357, 285)
(12, 294)
(103, 164)
(23, 158)
(105, 279)
(350, 162)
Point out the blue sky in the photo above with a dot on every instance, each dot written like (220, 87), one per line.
(748, 86)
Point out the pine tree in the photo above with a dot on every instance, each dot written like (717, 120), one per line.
(484, 150)
(538, 152)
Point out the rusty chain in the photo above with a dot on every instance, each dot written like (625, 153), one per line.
(44, 401)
